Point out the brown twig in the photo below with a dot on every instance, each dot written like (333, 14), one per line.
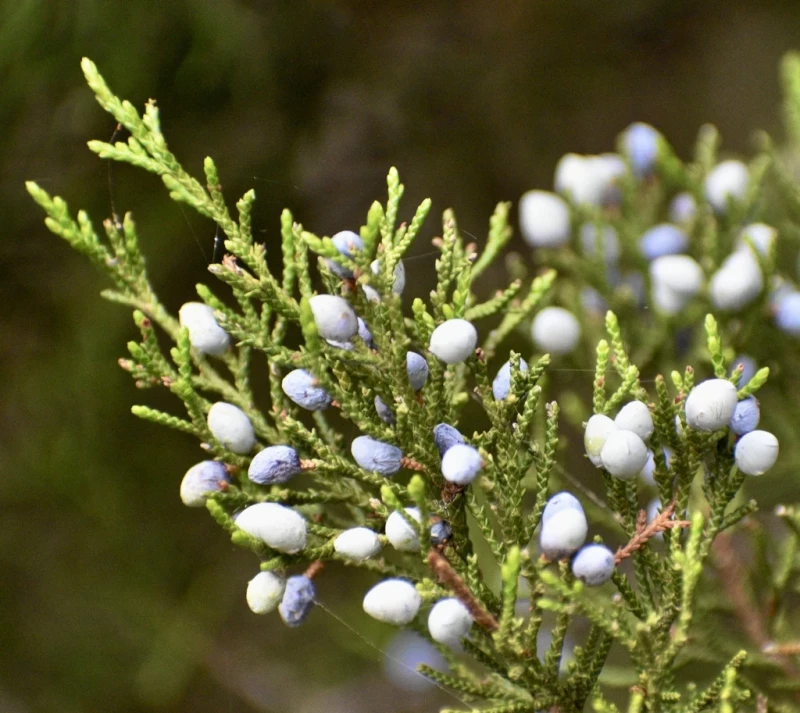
(449, 577)
(411, 464)
(314, 569)
(791, 648)
(644, 530)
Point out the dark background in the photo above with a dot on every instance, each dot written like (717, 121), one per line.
(115, 597)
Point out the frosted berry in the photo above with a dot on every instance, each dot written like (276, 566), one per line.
(726, 181)
(205, 334)
(544, 219)
(593, 565)
(365, 334)
(303, 389)
(737, 282)
(231, 427)
(417, 369)
(745, 416)
(676, 279)
(710, 404)
(563, 533)
(348, 244)
(202, 479)
(501, 386)
(624, 454)
(276, 525)
(264, 592)
(760, 235)
(787, 313)
(453, 341)
(449, 621)
(640, 144)
(334, 317)
(393, 601)
(400, 534)
(275, 464)
(399, 275)
(589, 179)
(556, 330)
(756, 452)
(298, 600)
(357, 543)
(598, 428)
(682, 208)
(445, 436)
(558, 502)
(376, 456)
(663, 239)
(636, 417)
(461, 464)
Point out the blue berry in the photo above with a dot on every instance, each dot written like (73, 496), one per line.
(745, 416)
(202, 479)
(417, 369)
(501, 386)
(303, 388)
(461, 464)
(365, 334)
(593, 565)
(663, 239)
(298, 600)
(347, 243)
(640, 144)
(384, 412)
(441, 532)
(749, 368)
(275, 464)
(376, 456)
(445, 436)
(787, 313)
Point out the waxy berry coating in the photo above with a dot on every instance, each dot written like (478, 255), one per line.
(376, 456)
(231, 427)
(275, 464)
(298, 600)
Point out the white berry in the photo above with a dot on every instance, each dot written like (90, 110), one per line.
(231, 427)
(710, 405)
(400, 534)
(393, 601)
(449, 621)
(453, 341)
(598, 429)
(264, 592)
(563, 533)
(357, 543)
(635, 417)
(624, 454)
(278, 526)
(334, 317)
(727, 180)
(556, 330)
(593, 565)
(205, 334)
(544, 219)
(756, 452)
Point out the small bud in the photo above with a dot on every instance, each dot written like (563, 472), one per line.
(264, 592)
(393, 601)
(200, 480)
(205, 334)
(231, 427)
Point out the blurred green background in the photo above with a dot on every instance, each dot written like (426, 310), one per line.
(114, 596)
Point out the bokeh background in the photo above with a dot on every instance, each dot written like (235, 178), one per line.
(115, 597)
